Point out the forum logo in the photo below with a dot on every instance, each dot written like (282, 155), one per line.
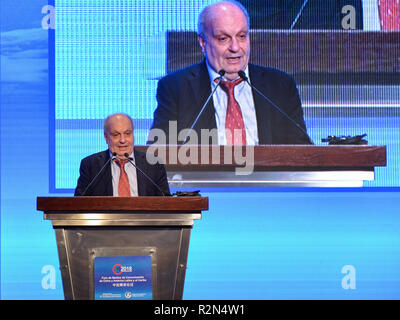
(119, 269)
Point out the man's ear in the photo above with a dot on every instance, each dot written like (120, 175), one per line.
(202, 43)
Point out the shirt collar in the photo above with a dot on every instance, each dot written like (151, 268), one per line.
(214, 75)
(130, 156)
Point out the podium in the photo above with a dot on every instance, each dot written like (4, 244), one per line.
(150, 234)
(198, 166)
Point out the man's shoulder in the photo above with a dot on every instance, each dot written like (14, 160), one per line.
(138, 153)
(188, 71)
(141, 159)
(98, 155)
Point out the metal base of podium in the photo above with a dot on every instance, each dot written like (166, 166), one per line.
(83, 237)
(78, 247)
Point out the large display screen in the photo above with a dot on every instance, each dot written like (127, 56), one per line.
(107, 57)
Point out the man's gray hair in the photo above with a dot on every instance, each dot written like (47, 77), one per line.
(203, 16)
(107, 121)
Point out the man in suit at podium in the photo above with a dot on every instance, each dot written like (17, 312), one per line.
(120, 170)
(223, 34)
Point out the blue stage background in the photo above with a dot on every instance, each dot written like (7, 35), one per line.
(282, 244)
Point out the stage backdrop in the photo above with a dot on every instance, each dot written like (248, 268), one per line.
(106, 57)
(61, 76)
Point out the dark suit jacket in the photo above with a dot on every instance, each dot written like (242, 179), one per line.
(102, 186)
(180, 96)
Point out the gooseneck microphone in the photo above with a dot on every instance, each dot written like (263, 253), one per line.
(221, 73)
(126, 155)
(242, 74)
(102, 168)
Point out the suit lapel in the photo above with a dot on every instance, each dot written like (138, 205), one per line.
(201, 87)
(259, 80)
(141, 180)
(104, 185)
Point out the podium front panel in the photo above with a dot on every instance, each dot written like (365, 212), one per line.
(79, 246)
(94, 233)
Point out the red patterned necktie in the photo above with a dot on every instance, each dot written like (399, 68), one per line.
(234, 126)
(389, 14)
(123, 184)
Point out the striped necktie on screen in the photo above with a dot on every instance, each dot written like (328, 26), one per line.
(389, 14)
(234, 119)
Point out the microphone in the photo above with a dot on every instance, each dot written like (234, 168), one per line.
(221, 73)
(242, 74)
(102, 168)
(126, 155)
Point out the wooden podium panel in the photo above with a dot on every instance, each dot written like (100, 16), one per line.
(269, 165)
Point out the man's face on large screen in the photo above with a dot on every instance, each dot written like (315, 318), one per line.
(226, 42)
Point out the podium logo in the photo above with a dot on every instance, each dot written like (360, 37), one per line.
(118, 269)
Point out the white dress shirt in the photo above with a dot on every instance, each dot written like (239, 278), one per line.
(132, 176)
(244, 96)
